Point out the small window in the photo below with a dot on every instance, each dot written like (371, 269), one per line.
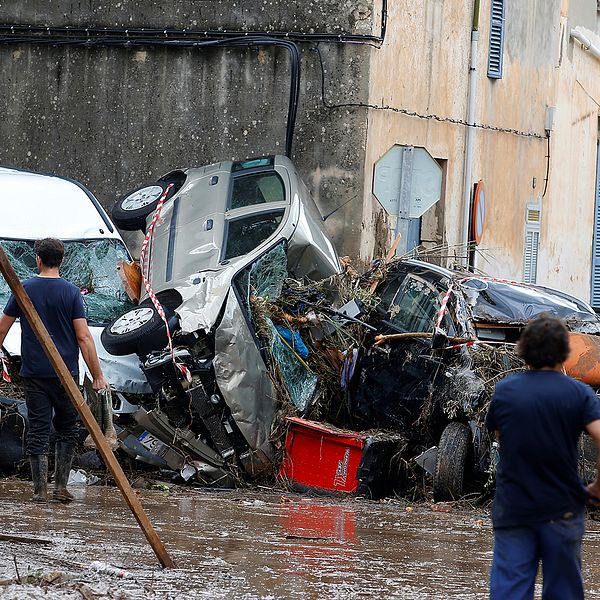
(496, 52)
(259, 188)
(413, 307)
(247, 233)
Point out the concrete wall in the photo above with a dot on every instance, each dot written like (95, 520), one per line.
(116, 118)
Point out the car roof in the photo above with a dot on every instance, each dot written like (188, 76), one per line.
(34, 206)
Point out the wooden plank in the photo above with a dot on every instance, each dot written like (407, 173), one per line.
(74, 394)
(24, 539)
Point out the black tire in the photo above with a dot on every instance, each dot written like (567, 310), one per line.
(131, 211)
(12, 435)
(452, 463)
(138, 331)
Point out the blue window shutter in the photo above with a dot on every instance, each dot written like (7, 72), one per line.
(595, 291)
(496, 40)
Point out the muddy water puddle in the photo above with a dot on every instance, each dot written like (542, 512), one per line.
(244, 544)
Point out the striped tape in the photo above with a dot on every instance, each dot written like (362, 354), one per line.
(443, 307)
(145, 271)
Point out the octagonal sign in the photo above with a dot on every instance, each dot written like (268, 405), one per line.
(407, 181)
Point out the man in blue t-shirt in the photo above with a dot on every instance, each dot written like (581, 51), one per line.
(61, 309)
(539, 506)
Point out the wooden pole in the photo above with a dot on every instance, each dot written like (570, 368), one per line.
(391, 253)
(74, 394)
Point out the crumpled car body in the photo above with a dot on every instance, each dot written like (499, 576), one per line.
(218, 224)
(440, 369)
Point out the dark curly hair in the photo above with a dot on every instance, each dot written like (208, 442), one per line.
(51, 251)
(544, 342)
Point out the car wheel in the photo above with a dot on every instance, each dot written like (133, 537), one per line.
(131, 211)
(452, 462)
(139, 331)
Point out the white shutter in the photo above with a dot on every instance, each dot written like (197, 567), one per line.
(533, 217)
(532, 243)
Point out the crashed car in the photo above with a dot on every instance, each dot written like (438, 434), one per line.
(444, 339)
(216, 234)
(35, 206)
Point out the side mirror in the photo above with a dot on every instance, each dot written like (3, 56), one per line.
(439, 339)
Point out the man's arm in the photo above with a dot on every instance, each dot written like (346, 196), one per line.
(88, 351)
(5, 325)
(593, 429)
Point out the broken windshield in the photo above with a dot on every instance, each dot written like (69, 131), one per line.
(92, 265)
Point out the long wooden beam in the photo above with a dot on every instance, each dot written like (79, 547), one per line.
(85, 413)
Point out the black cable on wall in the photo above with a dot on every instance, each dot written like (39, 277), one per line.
(55, 38)
(18, 34)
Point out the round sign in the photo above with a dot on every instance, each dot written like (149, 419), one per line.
(478, 212)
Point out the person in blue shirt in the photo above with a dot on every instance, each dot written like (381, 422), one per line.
(60, 307)
(538, 512)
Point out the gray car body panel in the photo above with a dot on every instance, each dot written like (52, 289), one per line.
(185, 248)
(243, 378)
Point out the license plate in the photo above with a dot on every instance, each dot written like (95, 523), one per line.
(152, 443)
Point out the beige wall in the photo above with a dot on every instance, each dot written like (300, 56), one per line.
(423, 66)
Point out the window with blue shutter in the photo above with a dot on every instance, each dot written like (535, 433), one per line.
(595, 288)
(496, 40)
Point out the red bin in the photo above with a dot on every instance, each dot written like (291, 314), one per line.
(320, 457)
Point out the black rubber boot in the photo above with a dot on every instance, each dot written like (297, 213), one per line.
(39, 474)
(62, 460)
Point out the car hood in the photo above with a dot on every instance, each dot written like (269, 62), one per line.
(496, 301)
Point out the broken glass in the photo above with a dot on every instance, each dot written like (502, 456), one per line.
(298, 379)
(264, 279)
(90, 264)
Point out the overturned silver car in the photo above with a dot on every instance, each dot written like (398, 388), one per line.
(217, 234)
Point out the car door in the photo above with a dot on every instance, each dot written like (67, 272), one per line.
(395, 378)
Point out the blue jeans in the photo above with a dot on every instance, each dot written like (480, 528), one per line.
(518, 550)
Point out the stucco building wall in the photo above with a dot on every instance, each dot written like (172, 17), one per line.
(423, 67)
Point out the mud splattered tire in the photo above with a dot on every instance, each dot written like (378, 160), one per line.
(131, 211)
(452, 462)
(138, 331)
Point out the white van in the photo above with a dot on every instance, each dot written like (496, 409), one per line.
(35, 206)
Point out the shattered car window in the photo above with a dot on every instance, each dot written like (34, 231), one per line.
(258, 188)
(247, 233)
(264, 280)
(91, 265)
(412, 306)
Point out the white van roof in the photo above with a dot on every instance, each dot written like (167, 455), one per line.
(34, 206)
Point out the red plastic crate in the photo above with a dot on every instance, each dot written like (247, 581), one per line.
(321, 457)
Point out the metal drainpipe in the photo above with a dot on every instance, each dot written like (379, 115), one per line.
(470, 134)
(578, 35)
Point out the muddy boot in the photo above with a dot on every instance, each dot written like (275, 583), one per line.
(39, 474)
(62, 459)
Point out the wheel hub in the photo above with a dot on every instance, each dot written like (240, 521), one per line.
(142, 198)
(132, 320)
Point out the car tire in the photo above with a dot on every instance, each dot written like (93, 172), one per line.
(452, 463)
(138, 331)
(131, 210)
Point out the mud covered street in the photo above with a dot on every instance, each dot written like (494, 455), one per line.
(240, 544)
